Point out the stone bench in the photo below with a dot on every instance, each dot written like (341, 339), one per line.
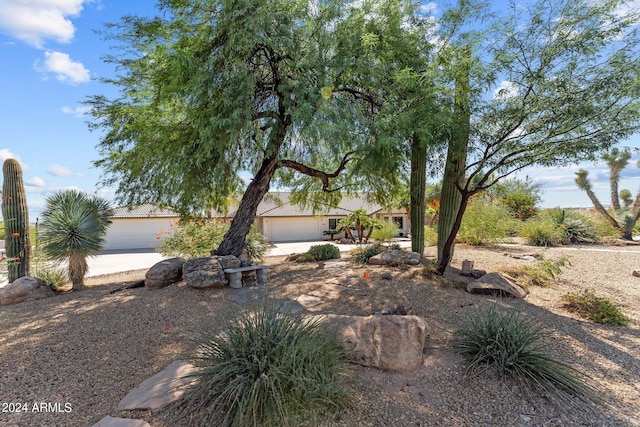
(235, 274)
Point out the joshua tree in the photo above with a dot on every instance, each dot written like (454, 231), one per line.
(73, 228)
(623, 219)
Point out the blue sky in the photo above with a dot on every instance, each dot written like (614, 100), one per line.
(51, 57)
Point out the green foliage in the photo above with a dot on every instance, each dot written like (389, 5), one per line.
(256, 244)
(516, 346)
(362, 254)
(577, 228)
(385, 231)
(542, 273)
(16, 220)
(191, 238)
(197, 237)
(320, 253)
(73, 228)
(430, 236)
(520, 196)
(267, 367)
(394, 247)
(485, 223)
(597, 309)
(542, 231)
(51, 272)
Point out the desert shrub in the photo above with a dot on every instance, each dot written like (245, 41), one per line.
(597, 309)
(394, 247)
(577, 228)
(362, 254)
(192, 238)
(485, 223)
(385, 231)
(520, 196)
(515, 346)
(541, 231)
(542, 273)
(256, 244)
(320, 253)
(53, 274)
(267, 367)
(430, 236)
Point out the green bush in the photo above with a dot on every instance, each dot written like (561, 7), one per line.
(394, 247)
(542, 231)
(577, 228)
(194, 238)
(597, 309)
(486, 223)
(515, 346)
(430, 236)
(362, 254)
(385, 231)
(267, 368)
(256, 244)
(519, 195)
(320, 253)
(52, 273)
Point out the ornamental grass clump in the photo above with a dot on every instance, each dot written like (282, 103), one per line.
(515, 346)
(266, 368)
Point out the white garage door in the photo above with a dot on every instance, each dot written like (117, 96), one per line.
(135, 233)
(293, 229)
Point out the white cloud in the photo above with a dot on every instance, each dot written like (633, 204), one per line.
(505, 91)
(34, 21)
(35, 182)
(5, 154)
(65, 69)
(76, 111)
(59, 170)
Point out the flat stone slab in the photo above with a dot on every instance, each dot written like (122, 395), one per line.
(335, 265)
(120, 422)
(330, 291)
(291, 306)
(244, 295)
(308, 301)
(163, 388)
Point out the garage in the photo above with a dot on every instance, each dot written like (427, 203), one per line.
(137, 228)
(291, 229)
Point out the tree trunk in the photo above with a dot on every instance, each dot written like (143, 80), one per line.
(448, 245)
(451, 210)
(417, 193)
(613, 181)
(233, 242)
(596, 203)
(77, 270)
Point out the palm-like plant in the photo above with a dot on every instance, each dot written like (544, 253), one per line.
(73, 228)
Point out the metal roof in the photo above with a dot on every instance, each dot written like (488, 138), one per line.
(143, 211)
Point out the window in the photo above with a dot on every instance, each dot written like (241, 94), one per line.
(399, 221)
(333, 223)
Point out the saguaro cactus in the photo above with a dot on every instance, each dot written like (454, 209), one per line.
(16, 220)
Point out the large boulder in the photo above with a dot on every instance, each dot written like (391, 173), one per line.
(164, 273)
(395, 257)
(393, 343)
(25, 288)
(228, 261)
(495, 283)
(204, 272)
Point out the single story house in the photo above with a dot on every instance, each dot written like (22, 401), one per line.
(138, 227)
(277, 218)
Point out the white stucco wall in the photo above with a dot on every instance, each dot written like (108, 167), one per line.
(135, 233)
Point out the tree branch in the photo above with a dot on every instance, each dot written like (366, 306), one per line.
(323, 176)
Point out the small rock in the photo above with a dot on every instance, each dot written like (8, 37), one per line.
(386, 276)
(475, 273)
(636, 273)
(467, 265)
(496, 283)
(109, 421)
(385, 311)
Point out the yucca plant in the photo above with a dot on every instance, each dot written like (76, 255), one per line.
(73, 228)
(515, 346)
(267, 367)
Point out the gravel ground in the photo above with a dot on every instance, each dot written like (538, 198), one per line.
(80, 353)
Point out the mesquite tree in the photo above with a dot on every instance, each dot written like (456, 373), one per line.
(560, 83)
(278, 88)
